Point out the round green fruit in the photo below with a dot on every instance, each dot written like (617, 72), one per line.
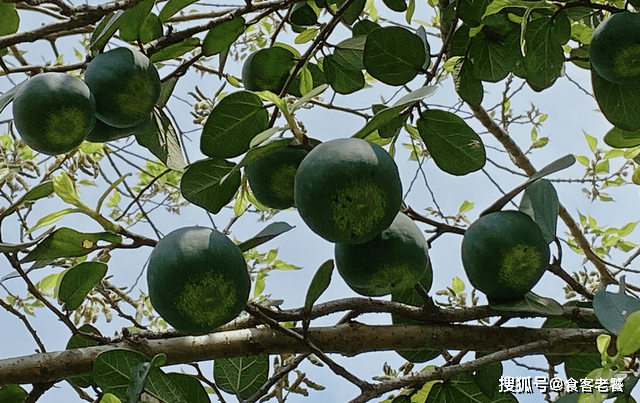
(126, 86)
(272, 177)
(614, 50)
(103, 132)
(392, 262)
(54, 112)
(348, 190)
(198, 279)
(267, 69)
(504, 254)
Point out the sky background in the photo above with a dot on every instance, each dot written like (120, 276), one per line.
(570, 113)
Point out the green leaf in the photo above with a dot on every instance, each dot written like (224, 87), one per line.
(79, 341)
(134, 20)
(176, 50)
(40, 191)
(64, 187)
(173, 6)
(161, 138)
(343, 79)
(628, 341)
(189, 388)
(544, 56)
(468, 87)
(268, 233)
(349, 52)
(303, 14)
(540, 202)
(306, 35)
(393, 55)
(417, 95)
(112, 370)
(462, 388)
(78, 281)
(364, 27)
(52, 218)
(497, 5)
(399, 6)
(453, 145)
(12, 393)
(487, 377)
(578, 366)
(353, 11)
(241, 376)
(166, 89)
(105, 30)
(7, 96)
(151, 30)
(319, 284)
(531, 303)
(202, 183)
(222, 36)
(139, 375)
(494, 58)
(9, 18)
(67, 242)
(233, 122)
(619, 138)
(619, 103)
(381, 119)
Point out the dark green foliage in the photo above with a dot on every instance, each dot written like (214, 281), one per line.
(54, 112)
(615, 48)
(198, 279)
(102, 132)
(267, 69)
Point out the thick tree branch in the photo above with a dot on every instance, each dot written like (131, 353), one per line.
(347, 339)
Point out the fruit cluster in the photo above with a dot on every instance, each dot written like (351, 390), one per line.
(55, 112)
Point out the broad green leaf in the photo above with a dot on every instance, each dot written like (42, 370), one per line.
(578, 366)
(176, 50)
(381, 119)
(40, 191)
(78, 281)
(393, 55)
(241, 376)
(151, 30)
(494, 58)
(343, 79)
(303, 14)
(531, 303)
(613, 309)
(619, 138)
(190, 389)
(9, 18)
(52, 218)
(12, 393)
(265, 135)
(468, 87)
(105, 30)
(268, 233)
(7, 96)
(471, 11)
(363, 27)
(161, 138)
(396, 5)
(220, 37)
(353, 11)
(134, 19)
(202, 184)
(453, 145)
(462, 388)
(166, 89)
(309, 95)
(306, 35)
(67, 242)
(233, 122)
(417, 95)
(64, 187)
(422, 34)
(319, 284)
(349, 52)
(628, 341)
(79, 341)
(139, 375)
(487, 377)
(544, 56)
(540, 202)
(497, 5)
(619, 103)
(173, 6)
(112, 370)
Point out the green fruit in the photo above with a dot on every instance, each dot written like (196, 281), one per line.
(272, 177)
(198, 279)
(615, 47)
(103, 132)
(126, 86)
(392, 262)
(504, 254)
(411, 297)
(267, 69)
(54, 112)
(348, 190)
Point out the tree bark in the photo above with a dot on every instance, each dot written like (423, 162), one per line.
(346, 339)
